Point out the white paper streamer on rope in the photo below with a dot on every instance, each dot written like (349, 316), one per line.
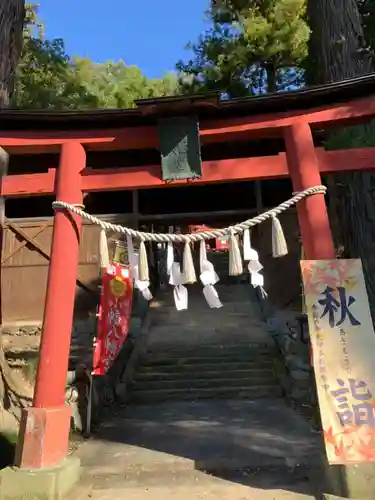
(209, 278)
(254, 266)
(248, 252)
(142, 286)
(176, 279)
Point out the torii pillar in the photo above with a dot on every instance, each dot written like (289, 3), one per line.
(303, 165)
(44, 430)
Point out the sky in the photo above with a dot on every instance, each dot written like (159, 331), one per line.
(151, 34)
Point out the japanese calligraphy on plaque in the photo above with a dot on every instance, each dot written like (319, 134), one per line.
(343, 345)
(114, 316)
(179, 145)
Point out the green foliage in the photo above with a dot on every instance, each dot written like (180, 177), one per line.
(116, 85)
(367, 11)
(251, 46)
(47, 78)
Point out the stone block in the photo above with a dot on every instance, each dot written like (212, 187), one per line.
(350, 481)
(294, 362)
(40, 484)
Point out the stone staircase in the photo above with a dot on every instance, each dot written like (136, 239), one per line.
(203, 353)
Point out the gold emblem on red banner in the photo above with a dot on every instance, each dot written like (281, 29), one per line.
(118, 287)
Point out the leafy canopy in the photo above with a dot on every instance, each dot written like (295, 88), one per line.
(251, 46)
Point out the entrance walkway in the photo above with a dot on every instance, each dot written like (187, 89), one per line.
(209, 449)
(206, 418)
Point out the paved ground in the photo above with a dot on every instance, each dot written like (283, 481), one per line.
(199, 486)
(236, 450)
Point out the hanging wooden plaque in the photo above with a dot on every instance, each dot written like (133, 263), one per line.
(179, 146)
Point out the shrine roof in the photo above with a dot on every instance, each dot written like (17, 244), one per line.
(205, 106)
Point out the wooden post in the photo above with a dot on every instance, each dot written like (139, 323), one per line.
(44, 432)
(259, 231)
(135, 209)
(312, 213)
(4, 164)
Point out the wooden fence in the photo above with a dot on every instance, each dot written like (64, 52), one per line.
(25, 262)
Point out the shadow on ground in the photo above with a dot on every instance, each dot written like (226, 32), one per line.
(262, 444)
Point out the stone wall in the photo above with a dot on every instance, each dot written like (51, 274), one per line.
(293, 366)
(21, 345)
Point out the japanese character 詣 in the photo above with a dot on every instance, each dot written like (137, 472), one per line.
(332, 306)
(361, 413)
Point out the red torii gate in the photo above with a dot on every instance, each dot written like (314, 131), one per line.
(44, 433)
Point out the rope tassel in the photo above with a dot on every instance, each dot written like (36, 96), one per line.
(235, 259)
(188, 265)
(143, 263)
(279, 246)
(142, 286)
(103, 250)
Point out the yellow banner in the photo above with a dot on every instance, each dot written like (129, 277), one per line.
(343, 346)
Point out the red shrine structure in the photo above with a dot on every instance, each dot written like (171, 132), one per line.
(295, 119)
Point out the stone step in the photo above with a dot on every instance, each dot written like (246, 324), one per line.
(203, 359)
(204, 350)
(187, 368)
(176, 318)
(213, 349)
(201, 308)
(230, 325)
(225, 327)
(229, 312)
(208, 326)
(196, 374)
(205, 383)
(197, 341)
(159, 396)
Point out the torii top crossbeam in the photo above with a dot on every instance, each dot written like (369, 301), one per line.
(348, 102)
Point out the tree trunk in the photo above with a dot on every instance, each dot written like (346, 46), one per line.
(337, 44)
(12, 15)
(337, 52)
(271, 78)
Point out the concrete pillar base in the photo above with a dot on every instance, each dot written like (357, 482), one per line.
(43, 438)
(340, 482)
(52, 483)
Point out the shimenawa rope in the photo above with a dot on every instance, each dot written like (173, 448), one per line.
(187, 238)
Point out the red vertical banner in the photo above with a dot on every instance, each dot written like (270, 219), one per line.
(114, 316)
